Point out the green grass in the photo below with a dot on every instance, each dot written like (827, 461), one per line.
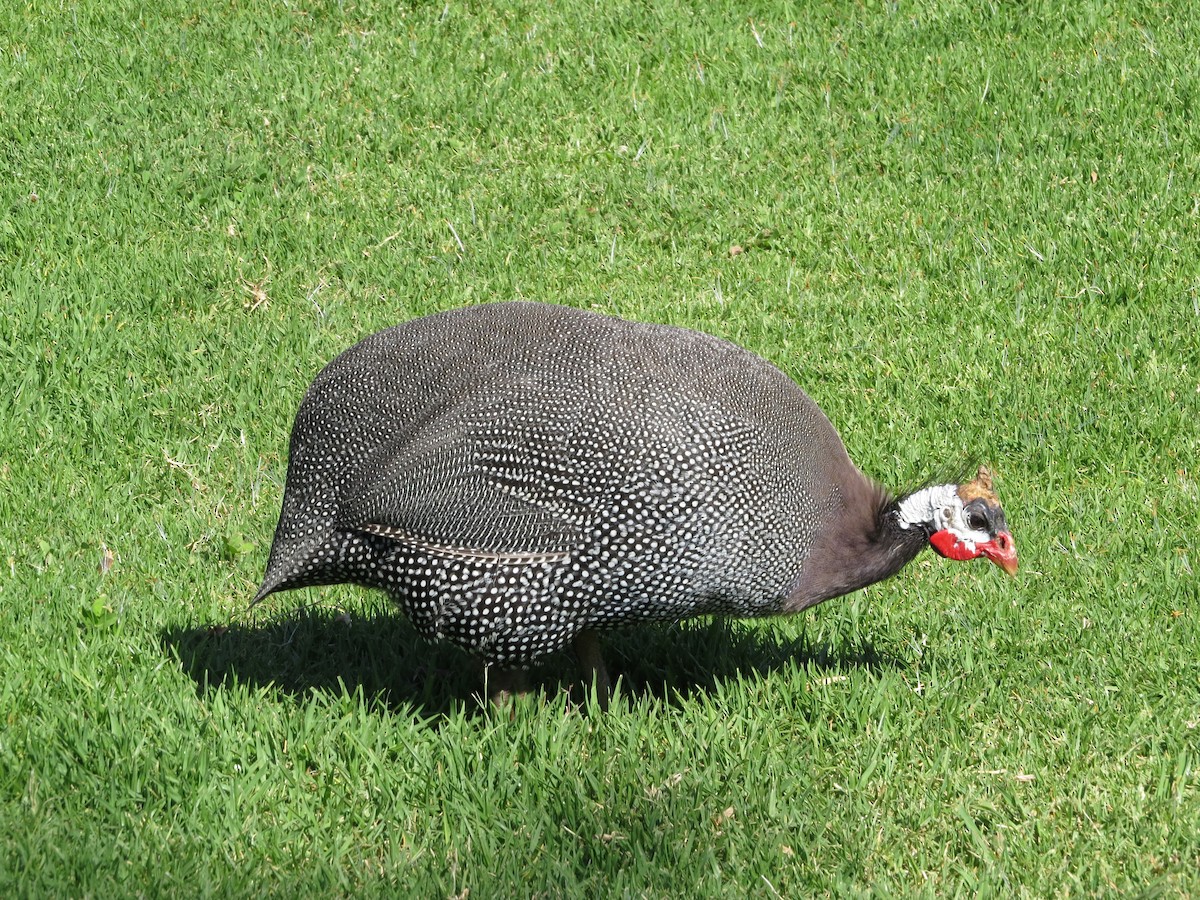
(967, 234)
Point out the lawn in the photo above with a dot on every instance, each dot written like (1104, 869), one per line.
(968, 233)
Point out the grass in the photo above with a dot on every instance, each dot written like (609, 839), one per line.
(967, 233)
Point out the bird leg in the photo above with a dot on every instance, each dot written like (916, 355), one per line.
(502, 685)
(587, 648)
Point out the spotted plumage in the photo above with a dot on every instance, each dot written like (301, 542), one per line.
(516, 474)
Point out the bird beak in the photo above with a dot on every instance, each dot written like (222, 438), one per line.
(1002, 551)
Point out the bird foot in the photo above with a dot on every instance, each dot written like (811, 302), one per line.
(503, 685)
(591, 662)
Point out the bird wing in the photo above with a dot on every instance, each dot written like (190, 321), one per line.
(449, 497)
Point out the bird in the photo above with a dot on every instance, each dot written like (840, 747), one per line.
(519, 477)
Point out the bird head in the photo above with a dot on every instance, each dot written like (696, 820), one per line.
(963, 521)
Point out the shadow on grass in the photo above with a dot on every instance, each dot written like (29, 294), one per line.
(381, 655)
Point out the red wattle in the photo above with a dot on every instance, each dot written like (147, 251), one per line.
(948, 545)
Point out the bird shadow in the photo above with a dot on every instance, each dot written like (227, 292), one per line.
(379, 656)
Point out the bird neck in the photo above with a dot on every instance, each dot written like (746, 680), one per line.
(922, 510)
(870, 542)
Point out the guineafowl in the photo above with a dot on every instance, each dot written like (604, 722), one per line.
(519, 476)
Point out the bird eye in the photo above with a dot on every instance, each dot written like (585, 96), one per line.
(978, 522)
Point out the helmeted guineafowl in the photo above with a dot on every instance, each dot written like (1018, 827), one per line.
(517, 476)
